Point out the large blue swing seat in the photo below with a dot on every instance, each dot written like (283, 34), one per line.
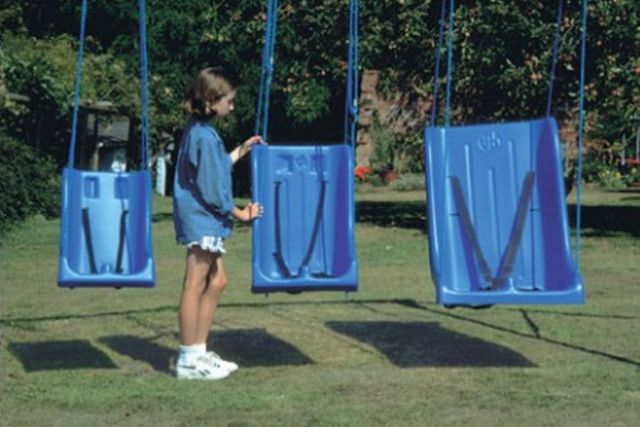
(305, 240)
(105, 231)
(498, 230)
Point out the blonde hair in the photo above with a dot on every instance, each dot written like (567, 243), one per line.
(210, 85)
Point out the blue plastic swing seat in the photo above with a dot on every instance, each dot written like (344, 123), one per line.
(498, 230)
(305, 240)
(105, 234)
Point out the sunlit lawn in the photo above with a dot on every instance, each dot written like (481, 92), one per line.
(386, 355)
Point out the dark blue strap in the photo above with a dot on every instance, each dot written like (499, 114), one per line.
(316, 227)
(469, 230)
(143, 95)
(509, 256)
(88, 238)
(278, 254)
(122, 239)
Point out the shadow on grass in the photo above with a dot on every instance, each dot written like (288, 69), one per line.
(534, 335)
(597, 221)
(256, 347)
(52, 355)
(421, 344)
(238, 344)
(162, 216)
(393, 214)
(603, 221)
(142, 349)
(247, 347)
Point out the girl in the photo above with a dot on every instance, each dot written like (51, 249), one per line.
(202, 212)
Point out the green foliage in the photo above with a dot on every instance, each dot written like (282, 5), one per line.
(29, 183)
(409, 153)
(591, 170)
(398, 35)
(614, 90)
(43, 70)
(308, 102)
(384, 147)
(610, 178)
(395, 151)
(501, 58)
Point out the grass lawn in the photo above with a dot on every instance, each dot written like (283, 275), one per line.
(386, 355)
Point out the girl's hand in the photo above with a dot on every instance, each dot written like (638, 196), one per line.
(256, 139)
(250, 212)
(242, 149)
(246, 146)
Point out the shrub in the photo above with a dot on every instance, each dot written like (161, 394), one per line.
(408, 182)
(29, 183)
(610, 178)
(384, 143)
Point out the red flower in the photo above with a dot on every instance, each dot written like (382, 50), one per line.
(361, 172)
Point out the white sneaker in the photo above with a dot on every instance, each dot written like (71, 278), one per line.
(200, 368)
(216, 359)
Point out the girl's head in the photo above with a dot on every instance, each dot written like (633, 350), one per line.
(211, 93)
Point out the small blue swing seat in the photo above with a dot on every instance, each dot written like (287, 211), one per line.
(105, 220)
(498, 231)
(304, 241)
(105, 230)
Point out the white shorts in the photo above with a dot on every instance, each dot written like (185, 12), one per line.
(210, 243)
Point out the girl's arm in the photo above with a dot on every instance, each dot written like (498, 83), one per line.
(242, 149)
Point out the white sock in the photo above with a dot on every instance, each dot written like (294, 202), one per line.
(190, 352)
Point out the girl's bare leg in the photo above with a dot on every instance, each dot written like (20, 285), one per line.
(199, 263)
(216, 284)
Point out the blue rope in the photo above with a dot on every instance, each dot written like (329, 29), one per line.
(351, 98)
(434, 97)
(144, 92)
(76, 97)
(266, 74)
(447, 110)
(554, 55)
(583, 58)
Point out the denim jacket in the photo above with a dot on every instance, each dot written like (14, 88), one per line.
(202, 190)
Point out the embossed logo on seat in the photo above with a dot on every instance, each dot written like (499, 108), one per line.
(490, 142)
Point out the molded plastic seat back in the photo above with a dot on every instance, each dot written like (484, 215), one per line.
(105, 230)
(305, 239)
(491, 162)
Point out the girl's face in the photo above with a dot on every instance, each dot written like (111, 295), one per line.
(223, 106)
